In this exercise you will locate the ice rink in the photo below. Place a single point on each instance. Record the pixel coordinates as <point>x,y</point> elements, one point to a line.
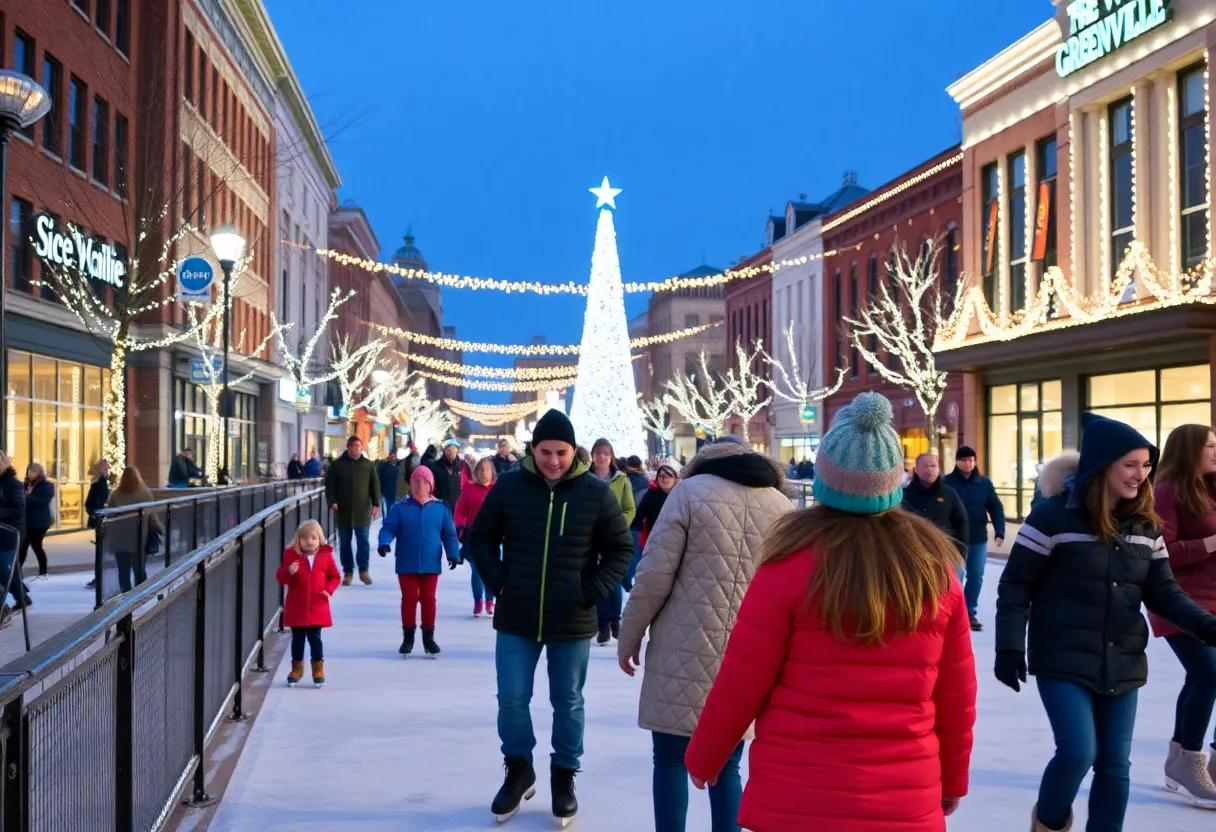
<point>392,744</point>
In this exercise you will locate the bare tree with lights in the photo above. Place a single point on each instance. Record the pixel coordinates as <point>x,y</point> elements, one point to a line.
<point>704,403</point>
<point>902,321</point>
<point>353,368</point>
<point>656,418</point>
<point>746,387</point>
<point>796,384</point>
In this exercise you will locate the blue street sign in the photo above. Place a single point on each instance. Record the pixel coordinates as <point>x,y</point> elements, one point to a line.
<point>198,370</point>
<point>194,278</point>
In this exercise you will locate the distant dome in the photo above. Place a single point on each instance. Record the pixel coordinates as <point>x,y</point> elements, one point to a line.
<point>409,254</point>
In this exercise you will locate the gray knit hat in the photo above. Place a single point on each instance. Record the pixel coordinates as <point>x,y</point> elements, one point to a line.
<point>860,467</point>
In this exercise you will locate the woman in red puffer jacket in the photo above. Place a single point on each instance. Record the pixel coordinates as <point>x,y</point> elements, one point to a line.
<point>1185,499</point>
<point>472,495</point>
<point>852,655</point>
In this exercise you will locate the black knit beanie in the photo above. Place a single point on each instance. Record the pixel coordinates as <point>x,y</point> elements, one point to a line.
<point>554,425</point>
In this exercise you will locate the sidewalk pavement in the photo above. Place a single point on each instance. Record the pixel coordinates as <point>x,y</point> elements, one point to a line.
<point>69,552</point>
<point>58,602</point>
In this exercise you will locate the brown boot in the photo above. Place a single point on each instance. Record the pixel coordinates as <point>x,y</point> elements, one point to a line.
<point>1035,826</point>
<point>297,673</point>
<point>365,576</point>
<point>347,579</point>
<point>318,672</point>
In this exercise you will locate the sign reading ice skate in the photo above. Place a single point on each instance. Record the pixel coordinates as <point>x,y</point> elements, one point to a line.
<point>1096,28</point>
<point>73,250</point>
<point>194,277</point>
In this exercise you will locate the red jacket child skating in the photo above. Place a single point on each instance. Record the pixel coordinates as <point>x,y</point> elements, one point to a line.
<point>849,738</point>
<point>471,498</point>
<point>305,606</point>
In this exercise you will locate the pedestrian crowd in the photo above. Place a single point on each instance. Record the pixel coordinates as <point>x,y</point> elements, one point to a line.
<point>836,639</point>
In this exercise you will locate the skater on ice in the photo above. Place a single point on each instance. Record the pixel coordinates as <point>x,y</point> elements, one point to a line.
<point>604,465</point>
<point>699,559</point>
<point>425,532</point>
<point>565,546</point>
<point>311,577</point>
<point>1081,565</point>
<point>851,655</point>
<point>649,506</point>
<point>467,506</point>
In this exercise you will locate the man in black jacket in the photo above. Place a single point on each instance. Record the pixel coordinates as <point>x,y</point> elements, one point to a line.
<point>937,502</point>
<point>95,501</point>
<point>448,470</point>
<point>504,460</point>
<point>565,546</point>
<point>979,498</point>
<point>295,468</point>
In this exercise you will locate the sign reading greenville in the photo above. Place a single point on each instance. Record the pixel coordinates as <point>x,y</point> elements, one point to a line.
<point>1100,27</point>
<point>73,250</point>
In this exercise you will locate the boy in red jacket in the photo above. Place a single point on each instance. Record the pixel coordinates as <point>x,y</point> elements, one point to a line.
<point>311,577</point>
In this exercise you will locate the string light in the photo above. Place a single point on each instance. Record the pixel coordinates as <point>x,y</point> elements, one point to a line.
<point>1105,242</point>
<point>885,195</point>
<point>492,414</point>
<point>456,281</point>
<point>498,386</point>
<point>514,373</point>
<point>1171,117</point>
<point>529,349</point>
<point>1163,291</point>
<point>1002,225</point>
<point>1072,191</point>
<point>1207,139</point>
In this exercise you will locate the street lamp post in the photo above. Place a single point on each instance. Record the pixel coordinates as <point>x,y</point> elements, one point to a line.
<point>22,102</point>
<point>228,245</point>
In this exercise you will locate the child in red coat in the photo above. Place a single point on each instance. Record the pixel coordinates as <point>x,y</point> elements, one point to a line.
<point>311,577</point>
<point>472,495</point>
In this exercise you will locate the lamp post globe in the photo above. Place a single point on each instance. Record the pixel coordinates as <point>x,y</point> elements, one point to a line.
<point>22,102</point>
<point>228,245</point>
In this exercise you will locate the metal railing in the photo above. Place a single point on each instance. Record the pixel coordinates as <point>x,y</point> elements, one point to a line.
<point>128,552</point>
<point>105,725</point>
<point>801,493</point>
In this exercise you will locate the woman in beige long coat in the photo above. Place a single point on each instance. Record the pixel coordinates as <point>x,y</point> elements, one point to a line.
<point>690,583</point>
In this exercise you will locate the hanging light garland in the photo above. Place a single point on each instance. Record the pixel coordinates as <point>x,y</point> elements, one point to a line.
<point>499,386</point>
<point>1055,291</point>
<point>456,281</point>
<point>530,349</point>
<point>558,371</point>
<point>509,412</point>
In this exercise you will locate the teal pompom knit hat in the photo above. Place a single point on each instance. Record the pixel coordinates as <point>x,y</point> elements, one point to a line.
<point>860,466</point>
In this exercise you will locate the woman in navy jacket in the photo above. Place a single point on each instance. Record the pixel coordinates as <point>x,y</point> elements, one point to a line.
<point>425,531</point>
<point>39,493</point>
<point>1083,562</point>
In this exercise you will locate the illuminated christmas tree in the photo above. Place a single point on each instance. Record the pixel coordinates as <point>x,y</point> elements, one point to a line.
<point>605,398</point>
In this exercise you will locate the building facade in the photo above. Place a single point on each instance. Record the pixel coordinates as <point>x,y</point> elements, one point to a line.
<point>920,208</point>
<point>1087,229</point>
<point>748,324</point>
<point>796,241</point>
<point>674,310</point>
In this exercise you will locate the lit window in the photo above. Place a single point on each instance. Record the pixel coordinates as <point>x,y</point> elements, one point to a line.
<point>1194,158</point>
<point>1122,219</point>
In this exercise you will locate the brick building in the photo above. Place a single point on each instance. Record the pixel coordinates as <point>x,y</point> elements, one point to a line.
<point>919,207</point>
<point>748,323</point>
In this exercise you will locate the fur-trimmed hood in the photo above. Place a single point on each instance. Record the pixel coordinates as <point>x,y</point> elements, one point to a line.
<point>1056,475</point>
<point>737,462</point>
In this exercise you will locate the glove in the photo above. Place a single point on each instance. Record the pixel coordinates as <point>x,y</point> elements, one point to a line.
<point>1010,668</point>
<point>452,564</point>
<point>383,550</point>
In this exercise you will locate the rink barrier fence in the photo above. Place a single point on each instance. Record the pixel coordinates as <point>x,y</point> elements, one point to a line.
<point>106,725</point>
<point>121,559</point>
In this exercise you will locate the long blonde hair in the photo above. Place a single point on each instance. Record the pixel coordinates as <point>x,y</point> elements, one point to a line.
<point>874,573</point>
<point>307,526</point>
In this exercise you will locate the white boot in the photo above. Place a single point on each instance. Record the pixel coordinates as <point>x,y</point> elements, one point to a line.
<point>1188,776</point>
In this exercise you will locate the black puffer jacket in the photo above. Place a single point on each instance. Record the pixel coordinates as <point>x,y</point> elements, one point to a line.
<point>940,505</point>
<point>12,508</point>
<point>563,549</point>
<point>448,483</point>
<point>1081,595</point>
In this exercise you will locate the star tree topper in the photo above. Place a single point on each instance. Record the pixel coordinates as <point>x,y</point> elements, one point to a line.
<point>606,194</point>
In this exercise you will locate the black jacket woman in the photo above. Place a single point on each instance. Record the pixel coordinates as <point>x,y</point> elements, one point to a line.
<point>12,515</point>
<point>1082,563</point>
<point>39,497</point>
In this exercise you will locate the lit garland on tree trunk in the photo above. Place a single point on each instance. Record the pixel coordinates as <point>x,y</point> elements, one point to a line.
<point>705,405</point>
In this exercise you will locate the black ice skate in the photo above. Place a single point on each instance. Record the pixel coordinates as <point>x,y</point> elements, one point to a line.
<point>428,642</point>
<point>407,641</point>
<point>519,784</point>
<point>561,786</point>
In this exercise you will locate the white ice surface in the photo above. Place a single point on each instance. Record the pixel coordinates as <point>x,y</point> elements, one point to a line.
<point>392,744</point>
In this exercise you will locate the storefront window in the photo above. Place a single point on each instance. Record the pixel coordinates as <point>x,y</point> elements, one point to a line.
<point>54,420</point>
<point>1024,428</point>
<point>1154,402</point>
<point>190,428</point>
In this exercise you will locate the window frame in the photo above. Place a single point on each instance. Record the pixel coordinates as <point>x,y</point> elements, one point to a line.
<point>52,123</point>
<point>101,17</point>
<point>1114,153</point>
<point>122,27</point>
<point>29,60</point>
<point>854,356</point>
<point>1186,123</point>
<point>1019,263</point>
<point>101,141</point>
<point>990,195</point>
<point>78,128</point>
<point>122,154</point>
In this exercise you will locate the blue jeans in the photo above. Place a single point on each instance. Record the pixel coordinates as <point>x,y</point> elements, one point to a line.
<point>515,661</point>
<point>1091,731</point>
<point>627,582</point>
<point>1194,710</point>
<point>609,609</point>
<point>670,787</point>
<point>364,548</point>
<point>480,593</point>
<point>972,575</point>
<point>18,589</point>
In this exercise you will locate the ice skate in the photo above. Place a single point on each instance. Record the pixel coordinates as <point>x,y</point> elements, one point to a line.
<point>407,641</point>
<point>428,642</point>
<point>1175,747</point>
<point>1186,775</point>
<point>615,630</point>
<point>603,636</point>
<point>477,607</point>
<point>561,786</point>
<point>297,673</point>
<point>519,785</point>
<point>318,672</point>
<point>1035,826</point>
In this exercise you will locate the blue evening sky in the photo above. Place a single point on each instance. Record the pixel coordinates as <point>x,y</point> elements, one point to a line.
<point>484,122</point>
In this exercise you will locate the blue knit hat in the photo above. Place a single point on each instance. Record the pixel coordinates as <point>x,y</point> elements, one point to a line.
<point>860,466</point>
